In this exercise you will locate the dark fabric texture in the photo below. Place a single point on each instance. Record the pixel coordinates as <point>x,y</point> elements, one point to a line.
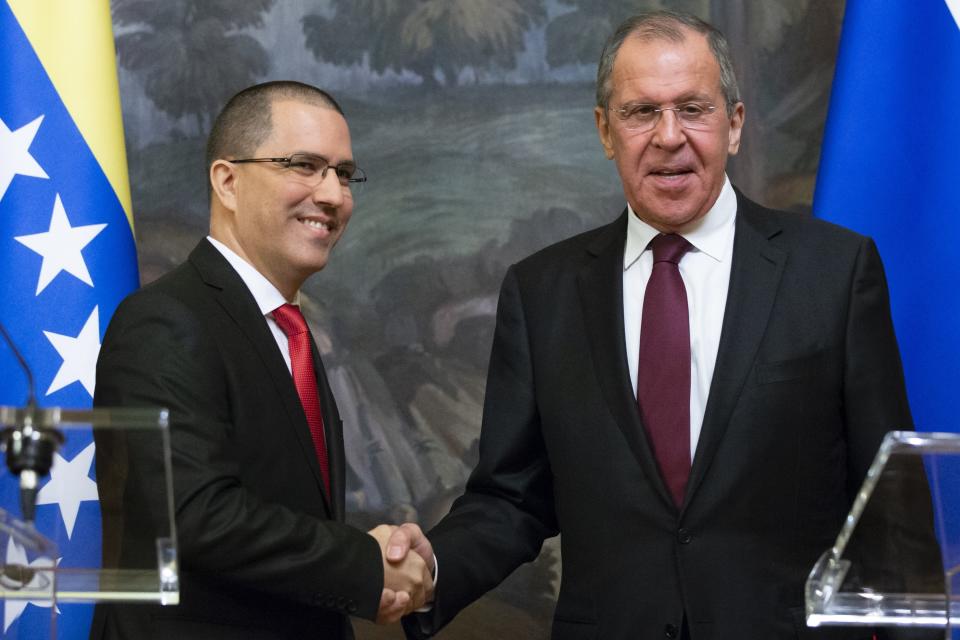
<point>807,382</point>
<point>262,552</point>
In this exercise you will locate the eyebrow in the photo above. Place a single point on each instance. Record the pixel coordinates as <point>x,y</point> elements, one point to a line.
<point>694,97</point>
<point>683,98</point>
<point>320,155</point>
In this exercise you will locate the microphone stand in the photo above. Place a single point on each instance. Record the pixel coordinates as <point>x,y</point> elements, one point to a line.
<point>29,447</point>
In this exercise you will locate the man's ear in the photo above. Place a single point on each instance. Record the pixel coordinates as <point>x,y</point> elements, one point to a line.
<point>223,183</point>
<point>603,129</point>
<point>736,128</point>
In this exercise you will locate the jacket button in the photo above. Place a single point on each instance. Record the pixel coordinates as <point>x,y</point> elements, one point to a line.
<point>671,631</point>
<point>341,602</point>
<point>684,536</point>
<point>351,607</point>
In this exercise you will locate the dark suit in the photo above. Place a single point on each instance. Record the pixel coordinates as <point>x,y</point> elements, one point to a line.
<point>807,382</point>
<point>263,552</point>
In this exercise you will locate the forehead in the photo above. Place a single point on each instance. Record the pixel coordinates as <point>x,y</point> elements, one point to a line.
<point>300,126</point>
<point>661,70</point>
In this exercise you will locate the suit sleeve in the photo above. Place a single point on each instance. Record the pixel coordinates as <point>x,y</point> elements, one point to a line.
<point>507,509</point>
<point>875,395</point>
<point>155,354</point>
<point>895,548</point>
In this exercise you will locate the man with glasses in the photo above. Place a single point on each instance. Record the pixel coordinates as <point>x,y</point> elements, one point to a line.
<point>257,443</point>
<point>690,395</point>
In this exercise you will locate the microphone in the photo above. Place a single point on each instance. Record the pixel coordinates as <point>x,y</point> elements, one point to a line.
<point>29,448</point>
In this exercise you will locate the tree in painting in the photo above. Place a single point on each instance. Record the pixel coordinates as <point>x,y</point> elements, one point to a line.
<point>427,37</point>
<point>577,36</point>
<point>189,54</point>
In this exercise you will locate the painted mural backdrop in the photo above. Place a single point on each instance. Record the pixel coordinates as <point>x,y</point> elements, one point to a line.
<point>473,119</point>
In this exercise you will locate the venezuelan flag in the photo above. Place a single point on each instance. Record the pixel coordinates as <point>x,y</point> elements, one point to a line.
<point>66,230</point>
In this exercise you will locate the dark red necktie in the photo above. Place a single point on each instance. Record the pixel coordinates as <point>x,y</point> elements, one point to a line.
<point>292,323</point>
<point>663,373</point>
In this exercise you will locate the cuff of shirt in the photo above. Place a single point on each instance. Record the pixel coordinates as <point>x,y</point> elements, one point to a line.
<point>427,608</point>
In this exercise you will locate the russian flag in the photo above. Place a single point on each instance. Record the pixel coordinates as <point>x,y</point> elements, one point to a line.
<point>890,169</point>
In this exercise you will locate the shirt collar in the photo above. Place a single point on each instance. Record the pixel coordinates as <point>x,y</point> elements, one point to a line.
<point>267,296</point>
<point>709,235</point>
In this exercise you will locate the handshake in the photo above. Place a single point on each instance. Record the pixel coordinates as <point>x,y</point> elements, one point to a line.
<point>407,577</point>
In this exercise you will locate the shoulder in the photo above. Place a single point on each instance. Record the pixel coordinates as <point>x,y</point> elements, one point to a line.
<point>190,288</point>
<point>571,253</point>
<point>170,294</point>
<point>172,310</point>
<point>796,231</point>
<point>159,333</point>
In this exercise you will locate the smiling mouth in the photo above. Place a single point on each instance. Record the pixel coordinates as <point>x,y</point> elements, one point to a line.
<point>313,223</point>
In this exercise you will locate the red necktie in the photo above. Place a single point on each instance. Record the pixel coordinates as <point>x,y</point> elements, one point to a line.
<point>292,323</point>
<point>663,374</point>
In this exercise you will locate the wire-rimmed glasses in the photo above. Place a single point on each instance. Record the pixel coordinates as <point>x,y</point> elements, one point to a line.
<point>312,169</point>
<point>641,116</point>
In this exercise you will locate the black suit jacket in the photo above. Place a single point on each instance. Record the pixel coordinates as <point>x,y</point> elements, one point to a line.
<point>807,382</point>
<point>263,552</point>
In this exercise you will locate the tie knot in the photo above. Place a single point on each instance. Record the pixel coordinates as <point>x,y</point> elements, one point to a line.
<point>669,248</point>
<point>290,320</point>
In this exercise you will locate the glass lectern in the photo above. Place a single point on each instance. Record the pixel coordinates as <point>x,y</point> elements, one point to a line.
<point>138,560</point>
<point>896,559</point>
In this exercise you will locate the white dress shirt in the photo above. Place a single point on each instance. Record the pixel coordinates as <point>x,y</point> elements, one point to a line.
<point>705,271</point>
<point>267,296</point>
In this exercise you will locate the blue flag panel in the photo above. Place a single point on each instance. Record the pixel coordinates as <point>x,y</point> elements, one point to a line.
<point>889,169</point>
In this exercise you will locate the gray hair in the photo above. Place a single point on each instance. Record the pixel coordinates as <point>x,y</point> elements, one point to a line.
<point>667,25</point>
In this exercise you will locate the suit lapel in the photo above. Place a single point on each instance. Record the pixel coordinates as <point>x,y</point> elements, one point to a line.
<point>237,301</point>
<point>601,294</point>
<point>754,279</point>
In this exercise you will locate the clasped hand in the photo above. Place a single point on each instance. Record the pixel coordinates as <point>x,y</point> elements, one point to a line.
<point>407,577</point>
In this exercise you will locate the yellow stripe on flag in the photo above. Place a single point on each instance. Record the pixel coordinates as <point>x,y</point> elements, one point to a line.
<point>74,41</point>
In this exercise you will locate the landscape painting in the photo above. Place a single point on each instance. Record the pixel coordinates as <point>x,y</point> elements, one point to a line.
<point>474,121</point>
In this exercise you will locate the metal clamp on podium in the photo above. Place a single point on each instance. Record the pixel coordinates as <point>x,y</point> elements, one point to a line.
<point>895,562</point>
<point>138,542</point>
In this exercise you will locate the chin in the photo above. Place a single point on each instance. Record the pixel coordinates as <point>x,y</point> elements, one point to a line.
<point>669,219</point>
<point>309,267</point>
<point>318,265</point>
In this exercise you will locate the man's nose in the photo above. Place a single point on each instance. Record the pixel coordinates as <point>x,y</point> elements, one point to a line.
<point>329,190</point>
<point>668,133</point>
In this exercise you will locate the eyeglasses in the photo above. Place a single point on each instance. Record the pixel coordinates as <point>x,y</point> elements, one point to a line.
<point>311,169</point>
<point>640,117</point>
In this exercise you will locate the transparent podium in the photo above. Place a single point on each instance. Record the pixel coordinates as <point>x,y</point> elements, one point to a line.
<point>895,562</point>
<point>129,553</point>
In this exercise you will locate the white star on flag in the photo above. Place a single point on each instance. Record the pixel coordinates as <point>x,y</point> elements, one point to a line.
<point>61,247</point>
<point>79,355</point>
<point>15,158</point>
<point>16,555</point>
<point>69,485</point>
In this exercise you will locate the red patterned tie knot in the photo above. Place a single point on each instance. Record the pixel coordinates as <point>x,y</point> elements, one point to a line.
<point>290,320</point>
